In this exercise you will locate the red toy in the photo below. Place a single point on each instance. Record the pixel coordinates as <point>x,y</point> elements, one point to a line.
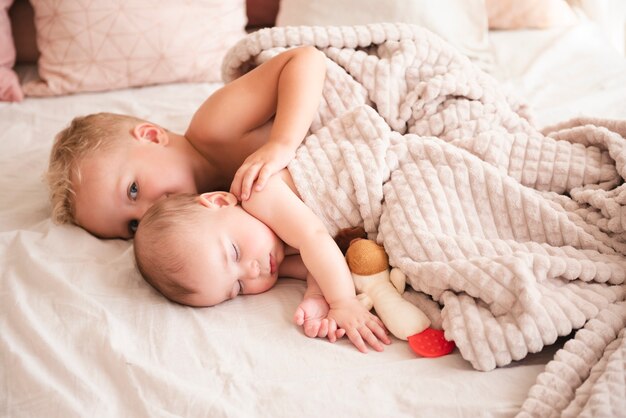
<point>380,287</point>
<point>430,343</point>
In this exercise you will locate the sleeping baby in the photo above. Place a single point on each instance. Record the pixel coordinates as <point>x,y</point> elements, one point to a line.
<point>207,249</point>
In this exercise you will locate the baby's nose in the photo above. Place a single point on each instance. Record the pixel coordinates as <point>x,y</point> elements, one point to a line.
<point>252,270</point>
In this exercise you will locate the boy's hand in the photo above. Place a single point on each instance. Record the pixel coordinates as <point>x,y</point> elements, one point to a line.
<point>360,325</point>
<point>259,167</point>
<point>311,316</point>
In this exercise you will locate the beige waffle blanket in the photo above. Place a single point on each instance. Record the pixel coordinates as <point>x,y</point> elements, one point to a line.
<point>517,233</point>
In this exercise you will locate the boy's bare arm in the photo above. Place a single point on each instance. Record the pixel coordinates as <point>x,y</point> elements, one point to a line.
<point>281,209</point>
<point>288,87</point>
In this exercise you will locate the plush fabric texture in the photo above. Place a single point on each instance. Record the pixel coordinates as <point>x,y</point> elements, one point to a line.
<point>131,43</point>
<point>10,90</point>
<point>598,353</point>
<point>518,233</point>
<point>463,23</point>
<point>520,14</point>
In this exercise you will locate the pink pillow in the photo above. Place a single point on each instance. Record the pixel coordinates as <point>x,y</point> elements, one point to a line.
<point>10,90</point>
<point>131,43</point>
<point>520,14</point>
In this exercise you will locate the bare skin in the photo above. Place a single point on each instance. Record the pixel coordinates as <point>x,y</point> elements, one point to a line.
<point>247,246</point>
<point>242,134</point>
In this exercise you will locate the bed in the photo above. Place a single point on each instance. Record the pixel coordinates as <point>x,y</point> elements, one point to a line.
<point>84,335</point>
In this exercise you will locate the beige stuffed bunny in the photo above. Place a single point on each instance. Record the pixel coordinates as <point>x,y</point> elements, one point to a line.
<point>381,288</point>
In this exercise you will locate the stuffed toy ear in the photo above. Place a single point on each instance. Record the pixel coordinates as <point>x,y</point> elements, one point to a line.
<point>347,235</point>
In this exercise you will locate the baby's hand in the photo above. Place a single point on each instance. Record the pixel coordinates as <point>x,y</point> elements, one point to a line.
<point>360,325</point>
<point>311,316</point>
<point>259,167</point>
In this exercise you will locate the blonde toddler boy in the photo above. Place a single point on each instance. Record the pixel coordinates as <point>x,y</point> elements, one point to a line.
<point>106,170</point>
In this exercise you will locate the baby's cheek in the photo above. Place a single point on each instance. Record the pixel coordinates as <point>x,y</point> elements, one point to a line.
<point>265,285</point>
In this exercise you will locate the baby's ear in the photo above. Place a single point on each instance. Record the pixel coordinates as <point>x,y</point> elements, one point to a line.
<point>217,199</point>
<point>150,132</point>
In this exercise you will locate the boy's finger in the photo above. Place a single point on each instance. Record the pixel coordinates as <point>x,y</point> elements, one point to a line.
<point>248,179</point>
<point>264,175</point>
<point>235,186</point>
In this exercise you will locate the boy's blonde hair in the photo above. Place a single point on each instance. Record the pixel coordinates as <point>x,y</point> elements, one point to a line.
<point>84,136</point>
<point>164,240</point>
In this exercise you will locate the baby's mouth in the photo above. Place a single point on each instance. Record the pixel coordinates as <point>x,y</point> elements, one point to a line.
<point>272,264</point>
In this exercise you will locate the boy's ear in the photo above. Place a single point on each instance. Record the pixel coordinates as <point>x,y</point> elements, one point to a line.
<point>150,132</point>
<point>216,200</point>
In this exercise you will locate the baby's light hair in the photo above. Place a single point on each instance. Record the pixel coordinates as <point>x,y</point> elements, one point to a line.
<point>164,240</point>
<point>84,136</point>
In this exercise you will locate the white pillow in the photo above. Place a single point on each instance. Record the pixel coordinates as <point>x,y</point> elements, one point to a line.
<point>610,16</point>
<point>463,23</point>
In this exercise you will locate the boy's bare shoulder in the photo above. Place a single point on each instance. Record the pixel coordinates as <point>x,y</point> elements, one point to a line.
<point>248,102</point>
<point>200,126</point>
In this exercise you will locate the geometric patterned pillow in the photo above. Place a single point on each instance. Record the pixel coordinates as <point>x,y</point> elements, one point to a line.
<point>104,45</point>
<point>10,90</point>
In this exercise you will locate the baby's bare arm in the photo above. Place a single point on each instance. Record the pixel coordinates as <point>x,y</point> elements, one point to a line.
<point>281,209</point>
<point>311,314</point>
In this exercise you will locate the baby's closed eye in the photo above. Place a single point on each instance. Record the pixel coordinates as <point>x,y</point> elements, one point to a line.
<point>235,252</point>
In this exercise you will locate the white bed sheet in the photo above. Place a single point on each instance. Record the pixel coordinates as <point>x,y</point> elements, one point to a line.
<point>83,335</point>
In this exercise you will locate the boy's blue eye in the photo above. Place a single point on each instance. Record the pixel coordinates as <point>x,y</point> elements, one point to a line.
<point>132,226</point>
<point>133,190</point>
